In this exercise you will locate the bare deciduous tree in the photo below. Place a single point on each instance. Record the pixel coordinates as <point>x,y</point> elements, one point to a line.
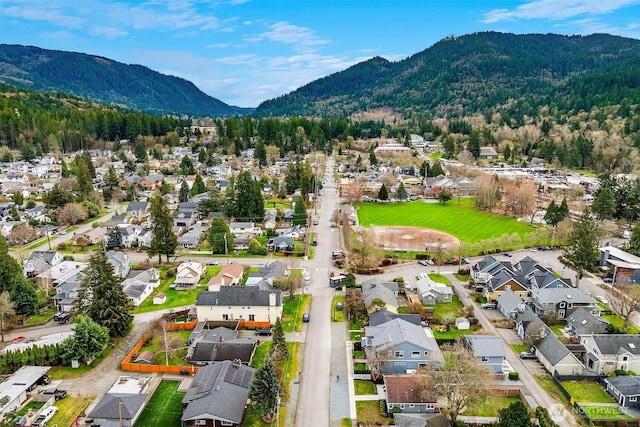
<point>626,300</point>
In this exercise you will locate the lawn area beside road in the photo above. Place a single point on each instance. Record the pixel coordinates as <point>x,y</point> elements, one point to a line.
<point>465,222</point>
<point>69,409</point>
<point>292,312</point>
<point>164,407</point>
<point>488,406</point>
<point>617,322</point>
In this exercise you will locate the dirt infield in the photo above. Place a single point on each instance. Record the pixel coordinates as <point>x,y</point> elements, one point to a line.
<point>413,239</point>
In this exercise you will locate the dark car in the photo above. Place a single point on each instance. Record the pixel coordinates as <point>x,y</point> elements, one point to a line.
<point>489,306</point>
<point>44,380</point>
<point>305,317</point>
<point>339,306</point>
<point>58,394</point>
<point>507,254</point>
<point>314,242</point>
<point>264,332</point>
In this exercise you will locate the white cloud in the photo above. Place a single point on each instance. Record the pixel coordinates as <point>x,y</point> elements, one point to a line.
<point>301,38</point>
<point>108,32</point>
<point>43,12</point>
<point>556,10</point>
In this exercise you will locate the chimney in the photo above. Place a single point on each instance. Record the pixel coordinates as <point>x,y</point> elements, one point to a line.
<point>221,338</point>
<point>272,300</point>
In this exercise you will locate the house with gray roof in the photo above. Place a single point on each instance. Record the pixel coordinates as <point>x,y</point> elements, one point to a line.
<point>606,353</point>
<point>120,263</point>
<point>280,243</point>
<point>218,344</point>
<point>529,327</point>
<point>582,321</point>
<point>267,274</point>
<point>379,317</point>
<point>137,209</point>
<point>378,289</point>
<point>398,346</point>
<point>487,349</point>
<point>503,281</point>
<point>246,304</point>
<point>431,292</point>
<point>510,304</point>
<point>556,357</point>
<point>625,389</point>
<point>547,280</point>
<point>559,303</point>
<point>420,420</point>
<point>218,395</point>
<point>487,267</point>
<point>40,261</point>
<point>118,409</point>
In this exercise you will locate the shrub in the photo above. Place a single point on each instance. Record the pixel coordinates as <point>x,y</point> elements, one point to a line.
<point>68,257</point>
<point>170,273</point>
<point>514,375</point>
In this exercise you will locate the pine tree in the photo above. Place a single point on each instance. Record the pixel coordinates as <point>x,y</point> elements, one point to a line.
<point>582,246</point>
<point>604,204</point>
<point>101,296</point>
<point>279,350</point>
<point>140,152</point>
<point>265,388</point>
<point>83,175</point>
<point>218,234</point>
<point>88,340</point>
<point>436,170</point>
<point>198,186</point>
<point>87,160</point>
<point>401,192</point>
<point>300,212</point>
<point>9,267</point>
<point>515,415</point>
<point>634,241</point>
<point>260,152</point>
<point>24,297</point>
<point>163,241</point>
<point>383,194</point>
<point>552,216</point>
<point>114,238</point>
<point>373,160</point>
<point>64,169</point>
<point>6,311</point>
<point>183,195</point>
<point>186,166</point>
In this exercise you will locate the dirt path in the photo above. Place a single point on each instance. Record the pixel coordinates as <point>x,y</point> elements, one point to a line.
<point>413,239</point>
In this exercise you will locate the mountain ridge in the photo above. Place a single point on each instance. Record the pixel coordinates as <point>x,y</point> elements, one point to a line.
<point>105,80</point>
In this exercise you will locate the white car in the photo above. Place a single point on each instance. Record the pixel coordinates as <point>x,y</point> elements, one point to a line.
<point>44,417</point>
<point>306,276</point>
<point>602,299</point>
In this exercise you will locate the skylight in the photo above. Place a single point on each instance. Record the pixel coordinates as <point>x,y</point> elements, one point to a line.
<point>632,345</point>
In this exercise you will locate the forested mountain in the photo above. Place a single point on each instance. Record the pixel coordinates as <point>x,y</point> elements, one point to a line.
<point>483,72</point>
<point>104,80</point>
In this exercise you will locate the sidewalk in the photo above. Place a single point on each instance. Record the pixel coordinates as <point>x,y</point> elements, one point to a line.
<point>342,393</point>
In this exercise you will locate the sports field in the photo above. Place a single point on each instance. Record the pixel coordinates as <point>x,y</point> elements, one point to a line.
<point>465,222</point>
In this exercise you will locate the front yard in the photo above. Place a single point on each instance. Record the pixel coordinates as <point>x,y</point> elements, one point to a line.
<point>587,391</point>
<point>175,298</point>
<point>488,406</point>
<point>293,310</point>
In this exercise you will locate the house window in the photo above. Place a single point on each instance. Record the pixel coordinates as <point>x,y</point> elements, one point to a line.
<point>415,354</point>
<point>633,398</point>
<point>398,354</point>
<point>252,318</point>
<point>412,405</point>
<point>484,359</point>
<point>562,304</point>
<point>507,287</point>
<point>225,317</point>
<point>402,406</point>
<point>201,422</point>
<point>624,358</point>
<point>226,423</point>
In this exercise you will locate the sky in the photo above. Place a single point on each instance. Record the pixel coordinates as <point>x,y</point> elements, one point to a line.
<point>243,52</point>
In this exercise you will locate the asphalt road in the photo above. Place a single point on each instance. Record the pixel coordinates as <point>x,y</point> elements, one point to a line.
<point>313,398</point>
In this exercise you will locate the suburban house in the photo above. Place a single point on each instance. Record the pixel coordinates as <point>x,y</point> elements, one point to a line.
<point>218,395</point>
<point>398,346</point>
<point>625,389</point>
<point>623,265</point>
<point>544,279</point>
<point>559,303</point>
<point>185,215</point>
<point>151,182</point>
<point>487,267</point>
<point>375,290</point>
<point>488,153</point>
<point>265,276</point>
<point>582,321</point>
<point>379,317</point>
<point>280,243</point>
<point>193,237</point>
<point>607,353</point>
<point>238,228</point>
<point>120,263</point>
<point>130,234</point>
<point>123,403</point>
<point>40,261</point>
<point>59,273</point>
<point>137,210</point>
<point>431,292</point>
<point>94,236</point>
<point>502,282</point>
<point>229,274</point>
<point>488,350</point>
<point>188,275</point>
<point>139,284</point>
<point>529,327</point>
<point>556,357</point>
<point>240,303</point>
<point>410,393</point>
<point>404,419</point>
<point>217,344</point>
<point>510,304</point>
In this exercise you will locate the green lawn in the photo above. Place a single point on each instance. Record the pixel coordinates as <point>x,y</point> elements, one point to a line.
<point>557,329</point>
<point>41,317</point>
<point>488,406</point>
<point>368,413</point>
<point>439,278</point>
<point>31,405</point>
<point>293,310</point>
<point>37,244</point>
<point>164,407</point>
<point>364,387</point>
<point>174,298</point>
<point>617,322</point>
<point>451,334</point>
<point>261,352</point>
<point>587,391</point>
<point>465,222</point>
<point>443,308</point>
<point>519,348</point>
<point>337,315</point>
<point>69,409</point>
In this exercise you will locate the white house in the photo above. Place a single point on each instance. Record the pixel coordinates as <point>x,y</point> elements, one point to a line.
<point>243,303</point>
<point>188,274</point>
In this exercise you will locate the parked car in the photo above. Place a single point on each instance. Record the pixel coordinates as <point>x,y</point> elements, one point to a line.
<point>58,394</point>
<point>314,242</point>
<point>44,380</point>
<point>42,419</point>
<point>339,306</point>
<point>466,260</point>
<point>212,262</point>
<point>489,306</point>
<point>507,254</point>
<point>527,355</point>
<point>264,332</point>
<point>305,317</point>
<point>306,276</point>
<point>425,262</point>
<point>602,299</point>
<point>607,280</point>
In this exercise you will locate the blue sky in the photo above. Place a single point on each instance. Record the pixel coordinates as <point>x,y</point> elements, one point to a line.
<point>246,51</point>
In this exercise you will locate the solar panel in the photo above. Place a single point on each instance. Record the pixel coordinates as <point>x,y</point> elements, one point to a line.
<point>238,376</point>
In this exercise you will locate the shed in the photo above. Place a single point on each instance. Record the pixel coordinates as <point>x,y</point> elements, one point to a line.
<point>462,323</point>
<point>160,298</point>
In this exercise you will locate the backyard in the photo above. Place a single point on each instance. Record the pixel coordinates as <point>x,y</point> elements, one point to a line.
<point>587,391</point>
<point>174,298</point>
<point>368,413</point>
<point>177,340</point>
<point>488,406</point>
<point>164,407</point>
<point>69,409</point>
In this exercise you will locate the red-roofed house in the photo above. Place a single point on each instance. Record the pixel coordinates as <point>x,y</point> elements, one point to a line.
<point>230,274</point>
